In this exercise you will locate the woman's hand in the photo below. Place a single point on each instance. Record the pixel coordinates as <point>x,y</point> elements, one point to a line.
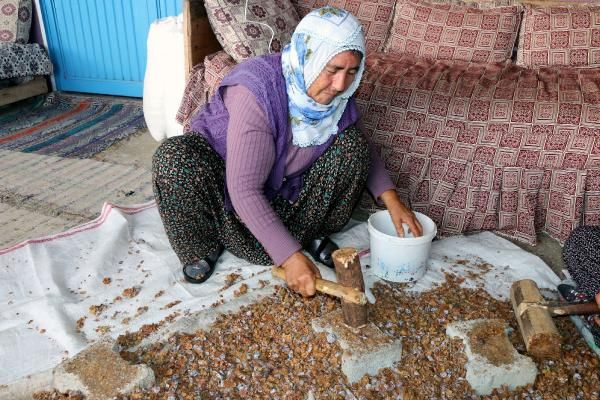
<point>301,274</point>
<point>400,213</point>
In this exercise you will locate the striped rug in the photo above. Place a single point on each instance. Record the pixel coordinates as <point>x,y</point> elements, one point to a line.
<point>68,125</point>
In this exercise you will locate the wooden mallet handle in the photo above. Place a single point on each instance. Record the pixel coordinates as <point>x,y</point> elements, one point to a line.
<point>571,309</point>
<point>560,309</point>
<point>331,288</point>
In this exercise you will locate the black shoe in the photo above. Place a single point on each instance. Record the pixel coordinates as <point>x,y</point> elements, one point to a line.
<point>572,295</point>
<point>321,250</point>
<point>201,270</point>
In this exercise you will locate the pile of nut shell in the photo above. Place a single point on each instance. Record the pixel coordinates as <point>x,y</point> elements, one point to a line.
<point>268,350</point>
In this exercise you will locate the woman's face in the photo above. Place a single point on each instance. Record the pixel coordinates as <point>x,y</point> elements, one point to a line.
<point>336,77</point>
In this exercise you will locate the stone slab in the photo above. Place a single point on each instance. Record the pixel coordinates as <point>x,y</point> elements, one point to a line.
<point>492,360</point>
<point>100,373</point>
<point>366,350</point>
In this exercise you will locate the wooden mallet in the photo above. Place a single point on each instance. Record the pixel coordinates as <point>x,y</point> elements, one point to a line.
<point>331,288</point>
<point>350,289</point>
<point>534,316</point>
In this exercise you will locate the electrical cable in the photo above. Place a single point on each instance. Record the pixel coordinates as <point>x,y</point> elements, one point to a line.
<point>260,23</point>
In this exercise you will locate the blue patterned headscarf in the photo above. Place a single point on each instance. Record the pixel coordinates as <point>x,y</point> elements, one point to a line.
<point>320,36</point>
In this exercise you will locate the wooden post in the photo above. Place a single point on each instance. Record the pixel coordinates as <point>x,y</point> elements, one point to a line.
<point>24,90</point>
<point>199,39</point>
<point>349,273</point>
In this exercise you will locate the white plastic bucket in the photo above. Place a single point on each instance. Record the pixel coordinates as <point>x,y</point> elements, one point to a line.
<point>395,258</point>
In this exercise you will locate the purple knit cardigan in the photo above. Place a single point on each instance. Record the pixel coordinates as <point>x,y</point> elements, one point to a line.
<point>263,76</point>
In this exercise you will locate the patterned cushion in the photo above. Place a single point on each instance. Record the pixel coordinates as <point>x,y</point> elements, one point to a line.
<point>560,36</point>
<point>21,60</point>
<point>242,39</point>
<point>15,21</point>
<point>454,32</point>
<point>375,16</point>
<point>203,81</point>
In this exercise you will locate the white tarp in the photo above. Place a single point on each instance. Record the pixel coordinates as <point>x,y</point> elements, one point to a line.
<point>48,284</point>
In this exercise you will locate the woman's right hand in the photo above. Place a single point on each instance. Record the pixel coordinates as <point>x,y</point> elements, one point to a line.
<point>301,274</point>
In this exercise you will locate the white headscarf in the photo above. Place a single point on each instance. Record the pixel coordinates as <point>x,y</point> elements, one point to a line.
<point>320,36</point>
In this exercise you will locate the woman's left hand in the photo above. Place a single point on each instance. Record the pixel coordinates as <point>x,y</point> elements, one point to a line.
<point>401,214</point>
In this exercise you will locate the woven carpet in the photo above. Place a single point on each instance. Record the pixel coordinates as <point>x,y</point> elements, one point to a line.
<point>68,125</point>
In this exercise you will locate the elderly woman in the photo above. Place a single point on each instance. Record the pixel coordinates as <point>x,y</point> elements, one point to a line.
<point>276,162</point>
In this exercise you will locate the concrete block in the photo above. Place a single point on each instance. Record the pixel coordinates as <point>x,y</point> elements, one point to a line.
<point>492,359</point>
<point>365,350</point>
<point>100,373</point>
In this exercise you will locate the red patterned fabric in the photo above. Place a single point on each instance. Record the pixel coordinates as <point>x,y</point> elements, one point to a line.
<point>454,32</point>
<point>201,85</point>
<point>217,66</point>
<point>194,96</point>
<point>560,36</point>
<point>488,146</point>
<point>374,15</point>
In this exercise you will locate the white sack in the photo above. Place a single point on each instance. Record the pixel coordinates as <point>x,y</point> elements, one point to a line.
<point>164,80</point>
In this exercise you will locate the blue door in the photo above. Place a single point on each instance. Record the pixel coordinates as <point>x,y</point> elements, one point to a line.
<point>99,46</point>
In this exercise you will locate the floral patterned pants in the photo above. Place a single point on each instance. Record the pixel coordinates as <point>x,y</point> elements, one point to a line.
<point>581,254</point>
<point>189,178</point>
